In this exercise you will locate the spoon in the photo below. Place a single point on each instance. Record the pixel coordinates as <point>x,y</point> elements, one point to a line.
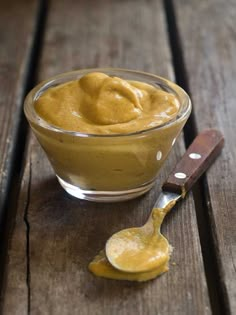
<point>142,249</point>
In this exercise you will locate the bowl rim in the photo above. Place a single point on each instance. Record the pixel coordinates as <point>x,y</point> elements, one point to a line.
<point>34,93</point>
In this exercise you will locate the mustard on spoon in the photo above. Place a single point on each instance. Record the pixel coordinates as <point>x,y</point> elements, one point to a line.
<point>144,248</point>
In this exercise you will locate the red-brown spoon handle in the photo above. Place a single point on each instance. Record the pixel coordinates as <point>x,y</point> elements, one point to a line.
<point>196,160</point>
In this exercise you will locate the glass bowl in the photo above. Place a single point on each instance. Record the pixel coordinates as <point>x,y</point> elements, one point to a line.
<point>107,168</point>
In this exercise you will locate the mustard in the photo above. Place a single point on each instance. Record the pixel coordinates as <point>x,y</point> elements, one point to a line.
<point>100,104</point>
<point>153,244</point>
<point>103,105</point>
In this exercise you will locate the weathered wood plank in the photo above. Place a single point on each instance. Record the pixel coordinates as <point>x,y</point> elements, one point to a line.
<point>17,29</point>
<point>65,233</point>
<point>207,31</point>
<point>16,280</point>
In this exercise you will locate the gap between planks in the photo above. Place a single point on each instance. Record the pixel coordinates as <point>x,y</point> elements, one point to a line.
<point>27,224</point>
<point>218,298</point>
<point>16,161</point>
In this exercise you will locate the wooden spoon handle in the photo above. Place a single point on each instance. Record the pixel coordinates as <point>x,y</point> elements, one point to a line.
<point>196,160</point>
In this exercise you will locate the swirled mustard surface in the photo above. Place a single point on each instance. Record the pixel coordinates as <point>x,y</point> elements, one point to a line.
<point>100,104</point>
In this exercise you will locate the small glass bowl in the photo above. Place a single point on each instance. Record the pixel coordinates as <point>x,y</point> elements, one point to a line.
<point>107,168</point>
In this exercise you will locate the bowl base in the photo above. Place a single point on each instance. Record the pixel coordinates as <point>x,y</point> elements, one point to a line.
<point>105,196</point>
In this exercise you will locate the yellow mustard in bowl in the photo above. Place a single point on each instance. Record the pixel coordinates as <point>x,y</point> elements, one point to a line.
<point>107,132</point>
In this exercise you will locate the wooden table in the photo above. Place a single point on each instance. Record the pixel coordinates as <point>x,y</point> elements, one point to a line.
<point>47,237</point>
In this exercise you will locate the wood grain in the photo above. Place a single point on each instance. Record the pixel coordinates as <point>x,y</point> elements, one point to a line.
<point>64,234</point>
<point>17,28</point>
<point>15,302</point>
<point>207,31</point>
